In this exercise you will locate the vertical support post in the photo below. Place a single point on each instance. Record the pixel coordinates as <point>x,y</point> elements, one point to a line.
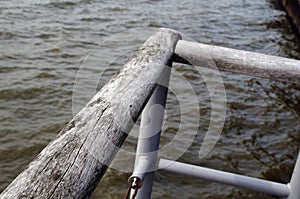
<point>294,185</point>
<point>149,137</point>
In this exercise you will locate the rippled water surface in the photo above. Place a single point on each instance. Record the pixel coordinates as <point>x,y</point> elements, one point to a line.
<point>55,55</point>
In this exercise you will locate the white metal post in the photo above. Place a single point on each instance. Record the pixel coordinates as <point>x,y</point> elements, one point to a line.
<point>149,137</point>
<point>294,185</point>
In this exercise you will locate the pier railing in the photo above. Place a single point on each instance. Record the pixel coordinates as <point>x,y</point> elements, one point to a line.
<point>72,164</point>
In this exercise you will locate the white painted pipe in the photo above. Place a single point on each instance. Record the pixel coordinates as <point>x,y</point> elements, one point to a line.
<point>149,137</point>
<point>255,184</point>
<point>294,185</point>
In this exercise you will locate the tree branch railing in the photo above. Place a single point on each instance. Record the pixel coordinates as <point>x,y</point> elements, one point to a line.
<point>238,61</point>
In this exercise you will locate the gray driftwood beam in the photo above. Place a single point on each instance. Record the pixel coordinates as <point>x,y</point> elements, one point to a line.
<point>238,61</point>
<point>72,165</point>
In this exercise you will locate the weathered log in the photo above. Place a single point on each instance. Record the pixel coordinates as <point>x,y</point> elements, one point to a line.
<point>72,165</point>
<point>238,61</point>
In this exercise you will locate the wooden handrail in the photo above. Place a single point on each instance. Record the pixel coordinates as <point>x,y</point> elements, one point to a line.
<point>72,165</point>
<point>238,61</point>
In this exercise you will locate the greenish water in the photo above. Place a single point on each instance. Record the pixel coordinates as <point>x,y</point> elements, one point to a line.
<point>45,77</point>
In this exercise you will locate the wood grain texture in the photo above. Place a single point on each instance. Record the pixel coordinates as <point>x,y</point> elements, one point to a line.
<point>238,61</point>
<point>72,164</point>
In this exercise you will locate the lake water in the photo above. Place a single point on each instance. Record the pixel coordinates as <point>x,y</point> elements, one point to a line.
<point>55,55</point>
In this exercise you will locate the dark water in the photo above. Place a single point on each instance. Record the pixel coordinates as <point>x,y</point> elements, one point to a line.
<point>46,76</point>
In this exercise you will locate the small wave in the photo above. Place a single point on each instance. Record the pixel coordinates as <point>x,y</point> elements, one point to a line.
<point>12,94</point>
<point>154,25</point>
<point>45,36</point>
<point>12,153</point>
<point>97,19</point>
<point>67,55</point>
<point>117,9</point>
<point>6,35</point>
<point>8,69</point>
<point>61,55</point>
<point>62,5</point>
<point>53,50</point>
<point>45,75</point>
